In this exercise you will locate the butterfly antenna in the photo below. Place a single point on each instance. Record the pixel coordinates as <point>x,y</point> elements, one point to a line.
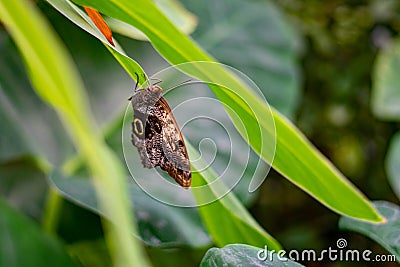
<point>136,86</point>
<point>157,81</point>
<point>137,80</point>
<point>177,85</point>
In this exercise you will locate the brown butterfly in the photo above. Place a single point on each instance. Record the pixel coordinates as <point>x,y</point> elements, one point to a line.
<point>157,136</point>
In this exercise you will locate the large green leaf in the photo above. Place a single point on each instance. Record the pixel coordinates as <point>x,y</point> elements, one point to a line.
<point>160,225</point>
<point>267,45</point>
<point>387,234</point>
<point>295,157</point>
<point>392,164</point>
<point>23,243</point>
<point>385,98</point>
<point>244,255</point>
<point>81,19</point>
<point>226,219</point>
<point>56,81</point>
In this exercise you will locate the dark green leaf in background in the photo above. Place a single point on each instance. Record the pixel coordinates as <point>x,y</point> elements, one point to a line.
<point>385,98</point>
<point>387,234</point>
<point>393,164</point>
<point>28,126</point>
<point>236,255</point>
<point>253,37</point>
<point>23,185</point>
<point>23,243</point>
<point>160,225</point>
<point>91,253</point>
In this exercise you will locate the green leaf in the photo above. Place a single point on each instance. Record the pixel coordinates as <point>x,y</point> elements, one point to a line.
<point>81,19</point>
<point>108,87</point>
<point>91,253</point>
<point>392,164</point>
<point>267,45</point>
<point>182,19</point>
<point>385,98</point>
<point>23,185</point>
<point>56,81</point>
<point>243,255</point>
<point>23,243</point>
<point>28,126</point>
<point>386,234</point>
<point>295,157</point>
<point>160,225</point>
<point>226,219</point>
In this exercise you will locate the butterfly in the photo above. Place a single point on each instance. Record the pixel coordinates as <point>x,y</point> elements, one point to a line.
<point>157,136</point>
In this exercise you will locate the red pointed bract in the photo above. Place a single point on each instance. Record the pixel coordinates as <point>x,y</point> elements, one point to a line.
<point>100,23</point>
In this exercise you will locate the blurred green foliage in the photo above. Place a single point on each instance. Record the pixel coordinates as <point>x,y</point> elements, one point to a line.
<point>342,40</point>
<point>339,42</point>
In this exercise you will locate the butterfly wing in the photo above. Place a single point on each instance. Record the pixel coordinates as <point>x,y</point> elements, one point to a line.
<point>176,159</point>
<point>157,136</point>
